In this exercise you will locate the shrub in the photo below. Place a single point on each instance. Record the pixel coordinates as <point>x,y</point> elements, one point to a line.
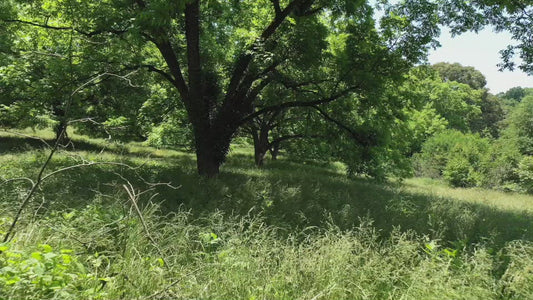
<point>525,173</point>
<point>433,158</point>
<point>41,273</point>
<point>459,172</point>
<point>500,164</point>
<point>521,125</point>
<point>455,156</point>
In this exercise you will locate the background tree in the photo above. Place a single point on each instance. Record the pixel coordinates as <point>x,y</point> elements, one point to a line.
<point>521,125</point>
<point>456,72</point>
<point>51,68</point>
<point>491,108</point>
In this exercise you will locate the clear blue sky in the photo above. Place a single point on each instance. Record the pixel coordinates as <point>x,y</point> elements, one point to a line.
<point>481,51</point>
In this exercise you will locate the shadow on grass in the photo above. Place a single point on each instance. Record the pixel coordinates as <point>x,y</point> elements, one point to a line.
<point>288,195</point>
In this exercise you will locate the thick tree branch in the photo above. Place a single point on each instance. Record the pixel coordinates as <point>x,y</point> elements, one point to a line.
<point>241,67</point>
<point>254,92</point>
<point>297,104</point>
<point>152,68</point>
<point>167,51</point>
<point>277,7</point>
<point>355,135</point>
<point>294,136</point>
<point>46,26</point>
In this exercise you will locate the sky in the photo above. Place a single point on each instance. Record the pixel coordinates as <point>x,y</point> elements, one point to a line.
<point>481,51</point>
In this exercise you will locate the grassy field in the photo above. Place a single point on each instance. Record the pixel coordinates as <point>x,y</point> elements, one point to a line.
<point>286,231</point>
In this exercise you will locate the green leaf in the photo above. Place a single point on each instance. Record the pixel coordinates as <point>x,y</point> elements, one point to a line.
<point>4,247</point>
<point>46,248</point>
<point>37,255</point>
<point>161,262</point>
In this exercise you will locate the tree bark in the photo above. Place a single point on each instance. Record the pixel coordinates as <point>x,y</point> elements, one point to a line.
<point>61,128</point>
<point>210,154</point>
<point>261,145</point>
<point>212,141</point>
<point>274,150</point>
<point>61,132</point>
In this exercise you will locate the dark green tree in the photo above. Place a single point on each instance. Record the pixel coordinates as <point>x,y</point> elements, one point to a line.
<point>220,55</point>
<point>457,72</point>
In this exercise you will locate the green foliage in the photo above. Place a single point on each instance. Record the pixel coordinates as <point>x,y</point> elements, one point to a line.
<point>511,16</point>
<point>521,125</point>
<point>515,94</point>
<point>452,104</point>
<point>458,157</point>
<point>456,72</point>
<point>40,272</point>
<point>174,131</point>
<point>499,166</point>
<point>525,173</point>
<point>467,160</point>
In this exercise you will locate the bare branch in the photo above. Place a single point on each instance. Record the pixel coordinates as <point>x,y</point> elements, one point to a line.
<point>87,165</point>
<point>34,187</point>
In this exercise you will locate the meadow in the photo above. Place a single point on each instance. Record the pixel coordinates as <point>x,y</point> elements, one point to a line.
<point>136,222</point>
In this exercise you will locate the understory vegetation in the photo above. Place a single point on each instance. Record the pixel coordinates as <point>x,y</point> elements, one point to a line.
<point>286,231</point>
<point>466,159</point>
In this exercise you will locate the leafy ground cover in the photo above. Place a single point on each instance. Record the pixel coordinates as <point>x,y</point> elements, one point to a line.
<point>286,231</point>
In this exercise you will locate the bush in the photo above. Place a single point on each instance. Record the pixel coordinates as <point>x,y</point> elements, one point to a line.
<point>455,156</point>
<point>459,173</point>
<point>42,273</point>
<point>525,173</point>
<point>521,125</point>
<point>500,165</point>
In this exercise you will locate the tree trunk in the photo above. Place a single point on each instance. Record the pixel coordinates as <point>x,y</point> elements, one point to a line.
<point>212,145</point>
<point>259,154</point>
<point>61,132</point>
<point>207,163</point>
<point>61,128</point>
<point>261,145</point>
<point>274,150</point>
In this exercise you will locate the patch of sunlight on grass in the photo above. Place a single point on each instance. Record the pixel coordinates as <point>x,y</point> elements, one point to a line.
<point>45,133</point>
<point>499,199</point>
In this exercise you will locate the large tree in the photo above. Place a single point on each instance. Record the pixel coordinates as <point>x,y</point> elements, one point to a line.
<point>220,55</point>
<point>491,108</point>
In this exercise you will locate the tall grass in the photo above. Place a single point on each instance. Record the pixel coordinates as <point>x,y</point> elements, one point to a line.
<point>287,231</point>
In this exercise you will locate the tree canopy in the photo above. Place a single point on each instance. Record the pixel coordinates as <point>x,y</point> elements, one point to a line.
<point>220,58</point>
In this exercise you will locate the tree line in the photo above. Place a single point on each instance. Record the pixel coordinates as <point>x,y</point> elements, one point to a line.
<point>317,78</point>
